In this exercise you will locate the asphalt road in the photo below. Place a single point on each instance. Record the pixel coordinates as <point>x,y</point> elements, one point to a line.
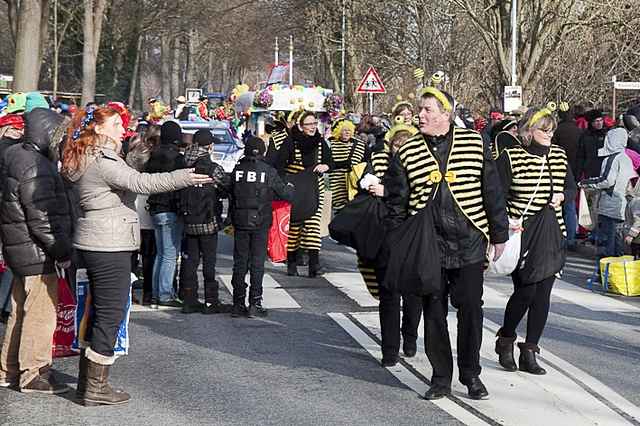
<point>318,364</point>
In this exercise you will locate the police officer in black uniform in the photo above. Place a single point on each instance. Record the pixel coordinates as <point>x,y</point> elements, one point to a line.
<point>254,186</point>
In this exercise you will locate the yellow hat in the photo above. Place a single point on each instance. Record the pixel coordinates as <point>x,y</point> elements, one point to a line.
<point>400,128</point>
<point>548,110</point>
<point>439,96</point>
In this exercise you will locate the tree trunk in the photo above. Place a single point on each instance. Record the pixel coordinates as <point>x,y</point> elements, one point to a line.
<point>92,30</point>
<point>27,65</point>
<point>175,68</point>
<point>135,73</point>
<point>210,72</point>
<point>165,68</point>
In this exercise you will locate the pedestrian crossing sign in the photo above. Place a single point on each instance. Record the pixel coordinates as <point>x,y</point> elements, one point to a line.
<point>371,83</point>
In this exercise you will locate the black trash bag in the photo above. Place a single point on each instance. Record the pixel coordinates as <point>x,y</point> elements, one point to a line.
<point>413,266</point>
<point>360,225</point>
<point>306,196</point>
<point>543,251</point>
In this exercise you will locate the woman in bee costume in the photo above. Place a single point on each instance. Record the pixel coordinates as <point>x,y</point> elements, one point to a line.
<point>536,180</point>
<point>374,272</point>
<point>305,152</point>
<point>346,151</point>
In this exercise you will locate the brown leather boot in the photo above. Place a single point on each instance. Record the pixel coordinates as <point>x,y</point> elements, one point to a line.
<point>97,390</point>
<point>504,349</point>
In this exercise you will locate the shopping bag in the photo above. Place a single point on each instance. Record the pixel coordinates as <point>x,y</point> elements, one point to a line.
<point>414,257</point>
<point>584,216</point>
<point>353,177</point>
<point>359,225</point>
<point>65,326</point>
<point>279,231</point>
<point>306,196</point>
<point>621,275</point>
<point>84,318</point>
<point>543,251</point>
<point>508,262</point>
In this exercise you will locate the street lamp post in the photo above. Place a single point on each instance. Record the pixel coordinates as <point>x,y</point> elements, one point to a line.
<point>514,40</point>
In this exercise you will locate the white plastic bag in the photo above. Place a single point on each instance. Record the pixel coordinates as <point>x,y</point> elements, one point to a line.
<point>508,262</point>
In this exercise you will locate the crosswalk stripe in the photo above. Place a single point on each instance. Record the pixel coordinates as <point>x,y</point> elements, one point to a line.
<point>590,300</point>
<point>403,374</point>
<point>551,399</point>
<point>353,286</point>
<point>273,295</point>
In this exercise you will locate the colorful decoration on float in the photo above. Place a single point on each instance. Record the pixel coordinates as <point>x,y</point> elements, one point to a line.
<point>263,98</point>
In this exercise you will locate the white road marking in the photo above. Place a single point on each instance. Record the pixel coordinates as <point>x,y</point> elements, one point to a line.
<point>403,374</point>
<point>352,284</point>
<point>273,295</point>
<point>550,399</point>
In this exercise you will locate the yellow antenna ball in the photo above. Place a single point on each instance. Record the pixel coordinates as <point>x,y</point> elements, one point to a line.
<point>398,98</point>
<point>564,106</point>
<point>551,106</point>
<point>399,119</point>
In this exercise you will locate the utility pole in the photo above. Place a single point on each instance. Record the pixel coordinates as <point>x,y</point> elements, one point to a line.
<point>277,52</point>
<point>514,40</point>
<point>343,44</point>
<point>291,61</point>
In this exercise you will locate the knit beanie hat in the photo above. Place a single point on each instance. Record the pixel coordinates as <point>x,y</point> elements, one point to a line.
<point>254,147</point>
<point>35,100</point>
<point>170,133</point>
<point>203,137</point>
<point>16,102</point>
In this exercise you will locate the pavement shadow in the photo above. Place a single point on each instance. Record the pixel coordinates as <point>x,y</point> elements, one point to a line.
<point>293,340</point>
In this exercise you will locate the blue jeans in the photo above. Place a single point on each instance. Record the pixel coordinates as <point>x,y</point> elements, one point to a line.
<point>610,234</point>
<point>570,221</point>
<point>168,232</point>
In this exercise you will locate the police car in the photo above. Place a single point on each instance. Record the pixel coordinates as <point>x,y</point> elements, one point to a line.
<point>228,152</point>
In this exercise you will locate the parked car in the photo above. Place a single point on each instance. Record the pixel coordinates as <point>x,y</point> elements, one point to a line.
<point>228,152</point>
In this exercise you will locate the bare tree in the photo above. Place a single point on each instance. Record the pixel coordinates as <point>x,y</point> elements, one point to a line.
<point>92,30</point>
<point>29,37</point>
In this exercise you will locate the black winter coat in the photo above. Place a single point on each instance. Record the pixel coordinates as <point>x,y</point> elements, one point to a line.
<point>165,157</point>
<point>202,205</point>
<point>35,222</point>
<point>588,164</point>
<point>567,135</point>
<point>254,185</point>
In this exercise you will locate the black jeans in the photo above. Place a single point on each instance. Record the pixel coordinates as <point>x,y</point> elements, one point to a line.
<point>390,320</point>
<point>249,253</point>
<point>110,283</point>
<point>194,247</point>
<point>148,254</point>
<point>464,286</point>
<point>534,298</point>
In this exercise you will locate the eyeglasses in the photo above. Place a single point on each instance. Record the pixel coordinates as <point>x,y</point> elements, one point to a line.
<point>313,123</point>
<point>547,131</point>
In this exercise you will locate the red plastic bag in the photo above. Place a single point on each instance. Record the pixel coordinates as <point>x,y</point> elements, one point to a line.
<point>279,231</point>
<point>65,324</point>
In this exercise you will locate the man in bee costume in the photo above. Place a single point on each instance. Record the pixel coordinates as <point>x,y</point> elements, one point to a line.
<point>449,170</point>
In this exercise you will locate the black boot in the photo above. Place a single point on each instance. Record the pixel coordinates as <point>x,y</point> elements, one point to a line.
<point>97,390</point>
<point>191,303</point>
<point>527,359</point>
<point>292,264</point>
<point>314,263</point>
<point>504,349</point>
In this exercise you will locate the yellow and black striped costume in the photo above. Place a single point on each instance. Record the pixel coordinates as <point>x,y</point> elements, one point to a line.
<point>380,164</point>
<point>340,151</point>
<point>463,174</point>
<point>306,235</point>
<point>277,137</point>
<point>525,172</point>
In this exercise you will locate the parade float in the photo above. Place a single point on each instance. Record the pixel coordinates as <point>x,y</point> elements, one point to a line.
<point>257,106</point>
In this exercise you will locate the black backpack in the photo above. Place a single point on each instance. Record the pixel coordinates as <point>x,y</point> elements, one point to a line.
<point>197,204</point>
